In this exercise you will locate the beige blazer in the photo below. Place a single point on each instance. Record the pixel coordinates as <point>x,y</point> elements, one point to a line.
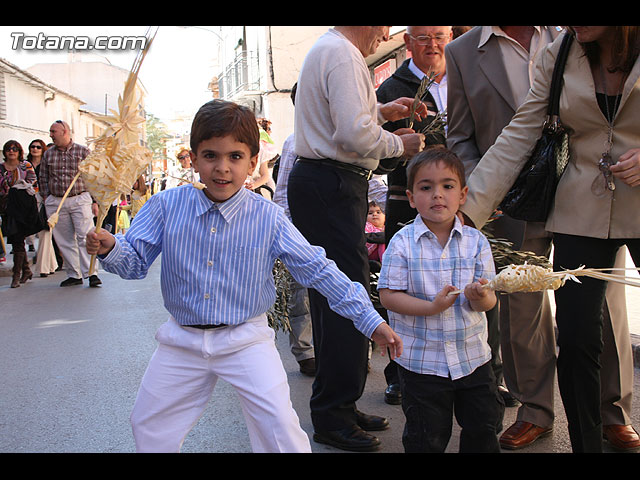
<point>480,104</point>
<point>576,209</point>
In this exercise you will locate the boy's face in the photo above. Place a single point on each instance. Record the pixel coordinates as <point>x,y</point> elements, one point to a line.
<point>437,194</point>
<point>223,164</point>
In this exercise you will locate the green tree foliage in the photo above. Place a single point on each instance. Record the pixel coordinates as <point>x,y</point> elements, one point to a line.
<point>156,136</point>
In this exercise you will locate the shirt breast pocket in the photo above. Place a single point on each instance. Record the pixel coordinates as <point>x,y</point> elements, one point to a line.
<point>252,261</point>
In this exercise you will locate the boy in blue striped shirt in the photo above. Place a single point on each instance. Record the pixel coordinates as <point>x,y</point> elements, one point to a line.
<point>444,367</point>
<point>218,249</point>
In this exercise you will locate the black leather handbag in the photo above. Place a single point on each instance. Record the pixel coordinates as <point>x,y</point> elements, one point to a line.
<point>532,194</point>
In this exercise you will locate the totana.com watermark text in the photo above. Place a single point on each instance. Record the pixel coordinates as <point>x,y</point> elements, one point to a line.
<point>20,41</point>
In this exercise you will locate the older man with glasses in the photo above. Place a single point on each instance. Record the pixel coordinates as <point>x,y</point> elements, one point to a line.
<point>58,168</point>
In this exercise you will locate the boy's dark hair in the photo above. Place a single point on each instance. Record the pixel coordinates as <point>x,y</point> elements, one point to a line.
<point>219,118</point>
<point>435,154</point>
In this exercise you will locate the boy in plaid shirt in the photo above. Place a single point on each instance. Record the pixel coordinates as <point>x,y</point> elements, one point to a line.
<point>445,363</point>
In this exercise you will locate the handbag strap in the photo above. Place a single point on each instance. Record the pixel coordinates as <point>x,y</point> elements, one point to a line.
<point>557,79</point>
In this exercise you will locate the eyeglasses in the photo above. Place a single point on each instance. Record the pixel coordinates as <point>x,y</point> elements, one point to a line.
<point>183,157</point>
<point>440,39</point>
<point>13,148</point>
<point>38,147</point>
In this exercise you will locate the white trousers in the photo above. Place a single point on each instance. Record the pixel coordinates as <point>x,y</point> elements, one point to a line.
<point>74,221</point>
<point>182,374</point>
<point>47,262</point>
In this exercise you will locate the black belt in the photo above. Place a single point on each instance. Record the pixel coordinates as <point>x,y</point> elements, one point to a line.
<point>363,172</point>
<point>207,327</point>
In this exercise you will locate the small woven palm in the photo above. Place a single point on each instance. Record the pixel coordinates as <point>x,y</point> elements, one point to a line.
<point>526,278</point>
<point>535,278</point>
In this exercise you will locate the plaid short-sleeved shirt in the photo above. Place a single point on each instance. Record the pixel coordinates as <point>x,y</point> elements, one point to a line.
<point>454,342</point>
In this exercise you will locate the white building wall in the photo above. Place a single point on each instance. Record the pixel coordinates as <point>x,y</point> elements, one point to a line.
<point>289,46</point>
<point>281,51</point>
<point>31,106</point>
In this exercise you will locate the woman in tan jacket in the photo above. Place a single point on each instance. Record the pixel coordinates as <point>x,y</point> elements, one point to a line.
<point>597,201</point>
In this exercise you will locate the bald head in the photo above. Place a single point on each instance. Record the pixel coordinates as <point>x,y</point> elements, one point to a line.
<point>60,133</point>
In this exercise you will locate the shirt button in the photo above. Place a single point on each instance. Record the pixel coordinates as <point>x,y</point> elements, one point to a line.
<point>213,229</point>
<point>209,263</point>
<point>206,296</point>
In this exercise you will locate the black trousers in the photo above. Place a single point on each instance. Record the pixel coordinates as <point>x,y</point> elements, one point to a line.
<point>430,402</point>
<point>329,207</point>
<point>579,310</point>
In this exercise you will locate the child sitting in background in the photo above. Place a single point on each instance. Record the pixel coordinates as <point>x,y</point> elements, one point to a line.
<point>375,223</point>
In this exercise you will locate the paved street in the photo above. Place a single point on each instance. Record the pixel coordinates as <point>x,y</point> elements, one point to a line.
<point>72,359</point>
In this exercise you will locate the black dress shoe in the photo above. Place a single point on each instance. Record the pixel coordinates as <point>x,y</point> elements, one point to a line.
<point>392,394</point>
<point>351,438</point>
<point>71,281</point>
<point>372,423</point>
<point>94,281</point>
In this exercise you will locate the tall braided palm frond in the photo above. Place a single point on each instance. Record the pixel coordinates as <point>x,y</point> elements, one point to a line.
<point>117,159</point>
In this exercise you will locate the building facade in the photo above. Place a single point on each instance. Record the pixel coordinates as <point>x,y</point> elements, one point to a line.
<point>29,105</point>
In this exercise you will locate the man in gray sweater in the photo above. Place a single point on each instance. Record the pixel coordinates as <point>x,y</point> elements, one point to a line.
<point>339,142</point>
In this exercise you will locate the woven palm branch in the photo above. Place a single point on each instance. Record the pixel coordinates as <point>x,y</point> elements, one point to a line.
<point>117,158</point>
<point>535,278</point>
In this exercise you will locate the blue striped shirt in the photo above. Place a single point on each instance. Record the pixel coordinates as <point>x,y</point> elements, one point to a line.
<point>454,342</point>
<point>217,258</point>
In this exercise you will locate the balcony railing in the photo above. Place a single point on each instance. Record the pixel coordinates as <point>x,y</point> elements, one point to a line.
<point>242,74</point>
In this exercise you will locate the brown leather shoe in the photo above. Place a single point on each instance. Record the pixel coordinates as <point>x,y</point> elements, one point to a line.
<point>622,437</point>
<point>522,434</point>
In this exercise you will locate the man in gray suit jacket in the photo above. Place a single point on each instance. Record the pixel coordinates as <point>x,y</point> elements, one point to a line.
<point>489,70</point>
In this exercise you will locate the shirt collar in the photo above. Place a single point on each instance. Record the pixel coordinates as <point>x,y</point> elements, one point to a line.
<point>67,148</point>
<point>413,68</point>
<point>227,209</point>
<point>488,31</point>
<point>420,229</point>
